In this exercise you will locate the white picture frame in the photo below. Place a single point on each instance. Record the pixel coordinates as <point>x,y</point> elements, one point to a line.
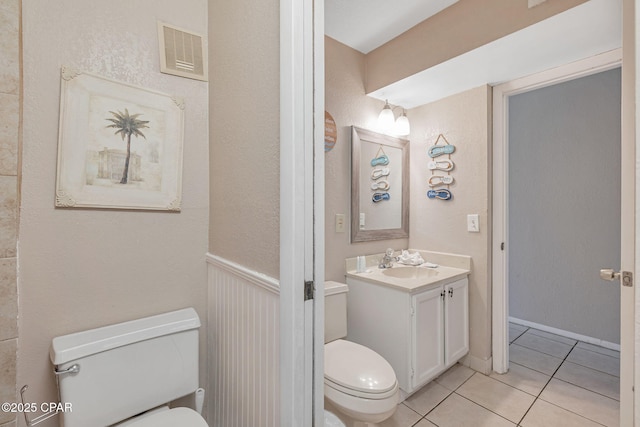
<point>99,118</point>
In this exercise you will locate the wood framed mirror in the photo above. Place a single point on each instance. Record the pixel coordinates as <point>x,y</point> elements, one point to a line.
<point>379,186</point>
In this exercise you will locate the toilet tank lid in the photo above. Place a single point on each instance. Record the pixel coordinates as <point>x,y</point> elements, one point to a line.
<point>331,288</point>
<point>82,344</point>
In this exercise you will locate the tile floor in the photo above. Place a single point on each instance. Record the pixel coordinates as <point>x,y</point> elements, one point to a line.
<point>552,381</point>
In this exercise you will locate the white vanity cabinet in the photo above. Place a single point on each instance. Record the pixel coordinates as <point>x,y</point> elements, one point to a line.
<point>439,330</point>
<point>420,333</point>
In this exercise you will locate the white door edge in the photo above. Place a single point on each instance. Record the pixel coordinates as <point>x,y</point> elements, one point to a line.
<point>318,212</point>
<point>501,94</point>
<point>296,211</point>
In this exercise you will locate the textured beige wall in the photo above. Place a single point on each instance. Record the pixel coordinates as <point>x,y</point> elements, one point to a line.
<point>460,28</point>
<point>346,101</point>
<point>9,138</point>
<point>81,269</point>
<point>244,127</point>
<point>465,120</point>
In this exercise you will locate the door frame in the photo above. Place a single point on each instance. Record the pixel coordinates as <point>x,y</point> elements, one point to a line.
<point>500,290</point>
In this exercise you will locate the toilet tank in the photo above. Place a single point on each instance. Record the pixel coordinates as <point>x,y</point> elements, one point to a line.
<point>127,368</point>
<point>335,311</point>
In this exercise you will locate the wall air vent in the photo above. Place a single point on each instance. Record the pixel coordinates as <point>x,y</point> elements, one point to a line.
<point>182,52</point>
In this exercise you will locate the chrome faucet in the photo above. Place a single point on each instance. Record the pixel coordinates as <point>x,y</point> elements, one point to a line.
<point>387,259</point>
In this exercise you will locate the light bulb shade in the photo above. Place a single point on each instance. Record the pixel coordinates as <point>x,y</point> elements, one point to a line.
<point>386,119</point>
<point>402,126</point>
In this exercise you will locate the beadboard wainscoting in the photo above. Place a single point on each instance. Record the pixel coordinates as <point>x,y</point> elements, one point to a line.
<point>244,340</point>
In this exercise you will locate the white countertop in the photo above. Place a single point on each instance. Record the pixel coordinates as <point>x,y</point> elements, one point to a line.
<point>432,277</point>
<point>422,278</point>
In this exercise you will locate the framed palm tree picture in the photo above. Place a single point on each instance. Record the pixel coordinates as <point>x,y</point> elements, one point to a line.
<point>119,145</point>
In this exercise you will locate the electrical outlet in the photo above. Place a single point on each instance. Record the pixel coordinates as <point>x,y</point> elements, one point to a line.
<point>339,223</point>
<point>473,223</point>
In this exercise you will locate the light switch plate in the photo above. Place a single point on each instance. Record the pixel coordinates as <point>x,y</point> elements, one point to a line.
<point>361,220</point>
<point>473,223</point>
<point>339,223</point>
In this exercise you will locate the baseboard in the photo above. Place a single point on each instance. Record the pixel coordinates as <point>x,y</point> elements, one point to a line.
<point>567,334</point>
<point>484,366</point>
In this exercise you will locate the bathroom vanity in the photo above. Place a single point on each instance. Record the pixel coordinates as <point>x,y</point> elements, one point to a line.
<point>417,318</point>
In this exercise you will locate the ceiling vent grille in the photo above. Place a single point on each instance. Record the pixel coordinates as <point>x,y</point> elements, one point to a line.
<point>182,52</point>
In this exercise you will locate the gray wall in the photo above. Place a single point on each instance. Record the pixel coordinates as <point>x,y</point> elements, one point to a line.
<point>564,205</point>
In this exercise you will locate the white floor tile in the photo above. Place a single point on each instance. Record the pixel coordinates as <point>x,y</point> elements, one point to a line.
<point>597,361</point>
<point>518,327</point>
<point>523,378</point>
<point>533,359</point>
<point>544,345</point>
<point>427,398</point>
<point>456,411</point>
<point>590,379</point>
<point>498,397</point>
<point>455,376</point>
<point>583,402</point>
<point>581,395</point>
<point>544,414</point>
<point>403,417</point>
<point>514,333</point>
<point>551,336</point>
<point>598,349</point>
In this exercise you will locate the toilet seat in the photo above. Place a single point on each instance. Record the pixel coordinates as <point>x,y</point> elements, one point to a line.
<point>358,371</point>
<point>183,417</point>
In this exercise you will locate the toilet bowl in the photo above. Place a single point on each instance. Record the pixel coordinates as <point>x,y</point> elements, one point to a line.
<point>359,383</point>
<point>165,417</point>
<point>331,420</point>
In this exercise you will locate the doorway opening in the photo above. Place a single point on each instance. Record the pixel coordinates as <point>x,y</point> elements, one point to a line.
<point>556,223</point>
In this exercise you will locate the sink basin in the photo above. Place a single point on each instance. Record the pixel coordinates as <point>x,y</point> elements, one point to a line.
<point>410,272</point>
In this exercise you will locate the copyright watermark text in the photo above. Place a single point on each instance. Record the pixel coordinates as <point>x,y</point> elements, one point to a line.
<point>45,407</point>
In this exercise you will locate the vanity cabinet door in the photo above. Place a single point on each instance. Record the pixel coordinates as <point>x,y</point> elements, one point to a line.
<point>427,333</point>
<point>456,323</point>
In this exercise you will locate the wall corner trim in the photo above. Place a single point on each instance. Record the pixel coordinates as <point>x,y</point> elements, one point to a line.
<point>484,366</point>
<point>259,279</point>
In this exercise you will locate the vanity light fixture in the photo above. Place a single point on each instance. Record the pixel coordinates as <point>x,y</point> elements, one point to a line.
<point>386,118</point>
<point>402,126</point>
<point>388,123</point>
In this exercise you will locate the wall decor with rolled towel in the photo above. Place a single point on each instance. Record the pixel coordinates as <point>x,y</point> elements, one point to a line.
<point>439,166</point>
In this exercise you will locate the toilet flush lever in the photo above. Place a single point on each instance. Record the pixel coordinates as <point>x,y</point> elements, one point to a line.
<point>73,369</point>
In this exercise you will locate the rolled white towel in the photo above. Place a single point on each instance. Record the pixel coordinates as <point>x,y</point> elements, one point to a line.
<point>410,259</point>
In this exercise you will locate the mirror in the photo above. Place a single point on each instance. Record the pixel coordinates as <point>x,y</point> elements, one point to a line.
<point>379,186</point>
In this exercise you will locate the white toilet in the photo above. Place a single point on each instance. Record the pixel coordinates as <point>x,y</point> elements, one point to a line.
<point>358,383</point>
<point>126,374</point>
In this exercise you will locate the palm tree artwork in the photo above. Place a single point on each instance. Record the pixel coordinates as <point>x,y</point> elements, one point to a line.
<point>126,126</point>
